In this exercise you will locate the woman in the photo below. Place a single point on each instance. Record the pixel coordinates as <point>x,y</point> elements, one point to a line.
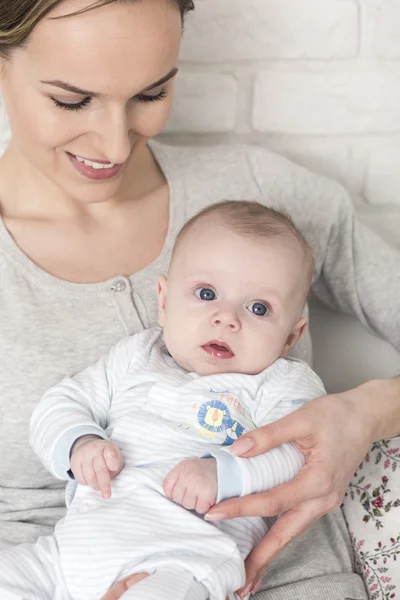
<point>90,209</point>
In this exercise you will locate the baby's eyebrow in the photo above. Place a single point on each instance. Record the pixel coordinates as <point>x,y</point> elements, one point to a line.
<point>69,87</point>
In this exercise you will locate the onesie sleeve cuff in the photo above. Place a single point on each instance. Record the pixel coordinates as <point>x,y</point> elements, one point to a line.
<point>61,455</point>
<point>230,479</point>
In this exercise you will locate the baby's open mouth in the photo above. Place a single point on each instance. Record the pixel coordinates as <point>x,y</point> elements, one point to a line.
<point>218,349</point>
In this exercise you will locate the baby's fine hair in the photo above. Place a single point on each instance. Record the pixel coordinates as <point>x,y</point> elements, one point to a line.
<point>249,218</point>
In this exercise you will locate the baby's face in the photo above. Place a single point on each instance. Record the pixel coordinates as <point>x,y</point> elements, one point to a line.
<point>231,303</point>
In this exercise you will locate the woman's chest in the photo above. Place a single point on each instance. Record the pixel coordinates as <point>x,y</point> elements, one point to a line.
<point>90,250</point>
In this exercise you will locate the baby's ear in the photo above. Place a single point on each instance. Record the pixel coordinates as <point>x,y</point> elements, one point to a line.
<point>294,336</point>
<point>162,299</point>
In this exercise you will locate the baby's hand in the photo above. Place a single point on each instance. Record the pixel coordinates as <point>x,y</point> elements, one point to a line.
<point>193,484</point>
<point>95,462</point>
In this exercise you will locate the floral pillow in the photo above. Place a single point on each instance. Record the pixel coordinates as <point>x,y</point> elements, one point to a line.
<point>372,510</point>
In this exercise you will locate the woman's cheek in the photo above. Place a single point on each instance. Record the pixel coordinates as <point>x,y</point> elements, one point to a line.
<point>151,120</point>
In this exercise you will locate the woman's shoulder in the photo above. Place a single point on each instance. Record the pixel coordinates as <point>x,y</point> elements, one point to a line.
<point>218,159</point>
<point>245,170</point>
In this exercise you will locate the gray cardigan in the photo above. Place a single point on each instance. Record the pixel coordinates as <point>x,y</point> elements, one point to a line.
<point>50,327</point>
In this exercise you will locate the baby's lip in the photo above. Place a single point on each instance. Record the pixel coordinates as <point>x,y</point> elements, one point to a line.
<point>218,348</point>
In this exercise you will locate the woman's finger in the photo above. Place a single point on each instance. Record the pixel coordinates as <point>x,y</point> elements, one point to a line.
<point>118,590</point>
<point>285,529</point>
<point>274,502</point>
<point>288,429</point>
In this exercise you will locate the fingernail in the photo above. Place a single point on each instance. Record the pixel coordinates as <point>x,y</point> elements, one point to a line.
<point>246,590</point>
<point>215,517</point>
<point>242,446</point>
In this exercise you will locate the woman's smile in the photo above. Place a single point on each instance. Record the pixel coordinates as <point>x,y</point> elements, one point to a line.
<point>95,169</point>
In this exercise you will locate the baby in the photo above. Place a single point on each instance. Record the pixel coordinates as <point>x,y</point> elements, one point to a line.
<point>162,408</point>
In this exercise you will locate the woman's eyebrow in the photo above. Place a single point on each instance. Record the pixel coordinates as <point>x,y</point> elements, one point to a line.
<point>164,79</point>
<point>68,87</point>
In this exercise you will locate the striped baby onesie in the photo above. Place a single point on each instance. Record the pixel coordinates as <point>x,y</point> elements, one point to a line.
<point>159,414</point>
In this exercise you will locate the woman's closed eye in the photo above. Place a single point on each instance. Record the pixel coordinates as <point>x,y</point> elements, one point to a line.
<point>143,98</point>
<point>72,105</point>
<point>152,97</point>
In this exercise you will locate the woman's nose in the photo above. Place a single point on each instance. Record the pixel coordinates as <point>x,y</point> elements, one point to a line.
<point>114,137</point>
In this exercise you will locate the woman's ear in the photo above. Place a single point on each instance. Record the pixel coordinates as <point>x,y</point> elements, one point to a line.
<point>162,299</point>
<point>294,336</point>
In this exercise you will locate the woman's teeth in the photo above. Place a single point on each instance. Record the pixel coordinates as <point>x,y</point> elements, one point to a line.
<point>95,165</point>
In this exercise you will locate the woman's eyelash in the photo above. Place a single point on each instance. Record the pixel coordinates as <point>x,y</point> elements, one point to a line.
<point>78,105</point>
<point>70,106</point>
<point>143,98</point>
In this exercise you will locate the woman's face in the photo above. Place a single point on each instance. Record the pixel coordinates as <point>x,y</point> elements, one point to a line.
<point>89,90</point>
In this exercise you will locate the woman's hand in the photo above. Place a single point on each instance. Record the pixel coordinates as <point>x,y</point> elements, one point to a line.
<point>334,433</point>
<point>118,590</point>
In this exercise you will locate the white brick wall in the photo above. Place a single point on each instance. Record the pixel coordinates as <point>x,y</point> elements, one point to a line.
<point>317,80</point>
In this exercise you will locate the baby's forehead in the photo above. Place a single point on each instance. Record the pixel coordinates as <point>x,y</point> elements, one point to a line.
<point>221,248</point>
<point>208,232</point>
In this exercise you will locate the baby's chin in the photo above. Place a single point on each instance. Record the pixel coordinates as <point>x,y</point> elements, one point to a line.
<point>205,369</point>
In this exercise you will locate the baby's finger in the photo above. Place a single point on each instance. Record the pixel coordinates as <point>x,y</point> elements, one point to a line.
<point>76,468</point>
<point>189,501</point>
<point>170,482</point>
<point>103,476</point>
<point>112,457</point>
<point>202,506</point>
<point>178,494</point>
<point>89,473</point>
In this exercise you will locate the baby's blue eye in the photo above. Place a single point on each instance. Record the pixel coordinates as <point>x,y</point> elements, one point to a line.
<point>258,308</point>
<point>205,294</point>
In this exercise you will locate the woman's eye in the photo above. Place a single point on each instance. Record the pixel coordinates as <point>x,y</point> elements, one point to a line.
<point>205,294</point>
<point>72,106</point>
<point>147,98</point>
<point>258,308</point>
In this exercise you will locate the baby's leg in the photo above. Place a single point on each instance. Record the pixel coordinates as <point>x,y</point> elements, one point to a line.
<point>168,584</point>
<point>32,572</point>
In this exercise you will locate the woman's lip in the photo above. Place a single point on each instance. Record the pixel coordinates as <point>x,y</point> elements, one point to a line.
<point>94,174</point>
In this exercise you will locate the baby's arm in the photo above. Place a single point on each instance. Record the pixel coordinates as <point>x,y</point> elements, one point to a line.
<point>78,406</point>
<point>289,385</point>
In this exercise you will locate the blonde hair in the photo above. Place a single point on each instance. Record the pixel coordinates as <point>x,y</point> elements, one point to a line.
<point>251,219</point>
<point>18,18</point>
